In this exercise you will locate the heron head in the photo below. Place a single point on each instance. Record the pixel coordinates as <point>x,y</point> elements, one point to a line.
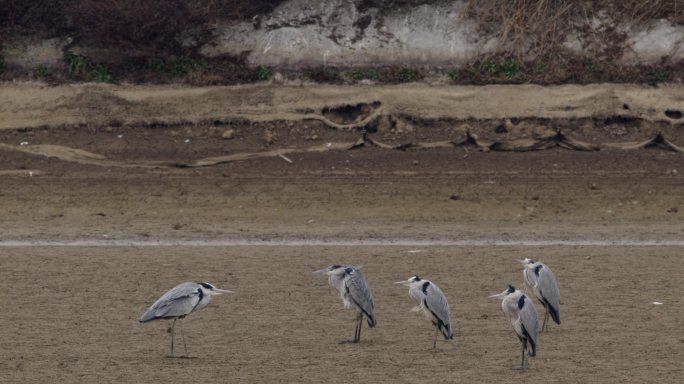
<point>412,279</point>
<point>211,290</point>
<point>329,270</point>
<point>505,293</point>
<point>527,261</point>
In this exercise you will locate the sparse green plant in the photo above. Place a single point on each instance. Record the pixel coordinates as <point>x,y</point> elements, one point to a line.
<point>42,71</point>
<point>658,75</point>
<point>182,65</point>
<point>358,74</point>
<point>156,65</point>
<point>407,75</point>
<point>354,74</point>
<point>542,67</point>
<point>373,74</point>
<point>264,73</point>
<point>508,68</point>
<point>101,74</point>
<point>453,74</point>
<point>593,68</point>
<point>77,64</point>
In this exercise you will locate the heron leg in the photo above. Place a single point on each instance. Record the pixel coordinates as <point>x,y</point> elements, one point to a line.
<point>524,348</point>
<point>546,319</point>
<point>173,333</point>
<point>434,343</point>
<point>357,331</point>
<point>359,325</point>
<point>183,336</point>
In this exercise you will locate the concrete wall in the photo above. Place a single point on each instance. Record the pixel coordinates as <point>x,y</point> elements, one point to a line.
<point>305,33</point>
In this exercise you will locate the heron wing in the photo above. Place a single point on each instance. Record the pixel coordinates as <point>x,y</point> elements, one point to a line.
<point>178,301</point>
<point>436,302</point>
<point>548,289</point>
<point>528,318</point>
<point>359,293</point>
<point>530,279</point>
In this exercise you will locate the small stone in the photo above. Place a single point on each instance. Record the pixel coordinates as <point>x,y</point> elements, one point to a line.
<point>455,197</point>
<point>673,210</point>
<point>228,134</point>
<point>415,162</point>
<point>593,186</point>
<point>269,137</point>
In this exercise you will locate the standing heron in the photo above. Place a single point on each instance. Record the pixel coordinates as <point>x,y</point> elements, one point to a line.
<point>540,280</point>
<point>354,292</point>
<point>179,302</point>
<point>522,314</point>
<point>432,302</point>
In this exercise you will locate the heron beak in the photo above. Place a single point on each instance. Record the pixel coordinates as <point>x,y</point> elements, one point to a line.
<point>522,262</point>
<point>497,296</point>
<point>324,270</point>
<point>404,282</point>
<point>220,291</point>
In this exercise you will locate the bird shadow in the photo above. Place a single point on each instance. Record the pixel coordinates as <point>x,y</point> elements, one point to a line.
<point>180,357</point>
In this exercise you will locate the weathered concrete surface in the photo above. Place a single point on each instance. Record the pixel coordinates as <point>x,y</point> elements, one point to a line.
<point>29,53</point>
<point>659,40</point>
<point>347,33</point>
<point>300,34</point>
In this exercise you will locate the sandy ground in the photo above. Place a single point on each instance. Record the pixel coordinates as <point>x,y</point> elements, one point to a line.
<point>71,312</point>
<point>71,316</point>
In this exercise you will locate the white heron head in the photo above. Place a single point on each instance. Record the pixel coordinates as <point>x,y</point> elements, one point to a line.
<point>332,269</point>
<point>209,289</point>
<point>527,262</point>
<point>505,293</point>
<point>411,280</point>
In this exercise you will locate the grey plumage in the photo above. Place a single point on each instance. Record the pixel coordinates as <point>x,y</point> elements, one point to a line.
<point>180,301</point>
<point>541,281</point>
<point>432,302</point>
<point>522,314</point>
<point>354,292</point>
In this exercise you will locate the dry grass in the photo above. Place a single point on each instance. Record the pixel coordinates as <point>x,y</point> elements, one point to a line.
<point>531,33</point>
<point>531,28</point>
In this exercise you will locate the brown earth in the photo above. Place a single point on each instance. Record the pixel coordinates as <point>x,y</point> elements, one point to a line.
<point>71,312</point>
<point>71,315</point>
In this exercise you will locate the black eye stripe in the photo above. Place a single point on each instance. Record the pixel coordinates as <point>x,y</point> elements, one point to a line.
<point>206,286</point>
<point>511,289</point>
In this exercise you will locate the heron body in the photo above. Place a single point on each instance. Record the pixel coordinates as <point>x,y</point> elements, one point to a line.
<point>540,280</point>
<point>180,301</point>
<point>354,292</point>
<point>522,314</point>
<point>431,301</point>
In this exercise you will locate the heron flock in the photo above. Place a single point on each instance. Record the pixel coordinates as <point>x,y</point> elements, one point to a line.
<point>355,292</point>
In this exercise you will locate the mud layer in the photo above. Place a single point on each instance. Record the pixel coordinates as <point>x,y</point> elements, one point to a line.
<point>77,317</point>
<point>71,312</point>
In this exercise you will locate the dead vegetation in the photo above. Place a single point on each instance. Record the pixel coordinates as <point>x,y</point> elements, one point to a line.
<point>156,41</point>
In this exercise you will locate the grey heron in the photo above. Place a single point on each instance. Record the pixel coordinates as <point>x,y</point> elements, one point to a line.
<point>522,314</point>
<point>354,292</point>
<point>432,302</point>
<point>540,280</point>
<point>179,302</point>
